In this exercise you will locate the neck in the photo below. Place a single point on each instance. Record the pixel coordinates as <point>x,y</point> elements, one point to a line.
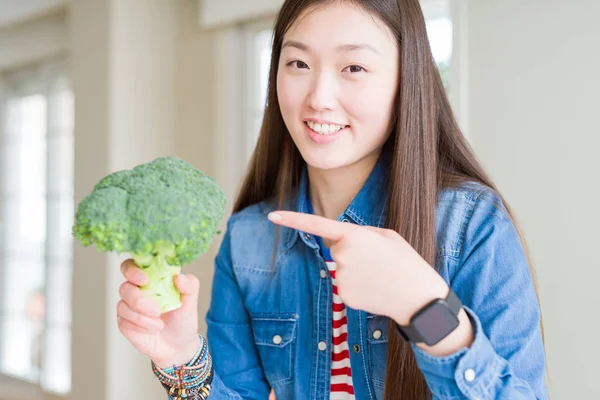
<point>332,190</point>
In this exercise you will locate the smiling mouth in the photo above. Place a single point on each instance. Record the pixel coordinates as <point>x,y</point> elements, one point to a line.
<point>324,129</point>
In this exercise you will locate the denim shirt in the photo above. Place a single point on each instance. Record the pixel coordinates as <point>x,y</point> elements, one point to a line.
<point>268,323</point>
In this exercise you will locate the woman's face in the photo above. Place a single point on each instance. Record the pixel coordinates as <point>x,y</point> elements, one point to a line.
<point>337,81</point>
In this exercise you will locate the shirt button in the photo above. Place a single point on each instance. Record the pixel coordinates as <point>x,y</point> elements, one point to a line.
<point>322,346</point>
<point>470,375</point>
<point>345,220</point>
<point>306,236</point>
<point>377,334</point>
<point>323,274</point>
<point>277,339</point>
<point>356,348</point>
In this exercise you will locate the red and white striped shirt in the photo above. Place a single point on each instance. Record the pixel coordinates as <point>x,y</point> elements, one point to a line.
<point>341,374</point>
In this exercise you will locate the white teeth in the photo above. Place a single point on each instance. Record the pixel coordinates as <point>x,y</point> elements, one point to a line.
<point>324,129</point>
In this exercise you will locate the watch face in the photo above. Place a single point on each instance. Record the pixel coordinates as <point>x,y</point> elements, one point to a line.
<point>435,322</point>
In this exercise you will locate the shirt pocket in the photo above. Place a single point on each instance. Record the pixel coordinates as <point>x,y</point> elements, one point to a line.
<point>377,340</point>
<point>275,338</point>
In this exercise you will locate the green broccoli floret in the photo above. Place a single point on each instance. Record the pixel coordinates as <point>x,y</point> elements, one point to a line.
<point>164,213</point>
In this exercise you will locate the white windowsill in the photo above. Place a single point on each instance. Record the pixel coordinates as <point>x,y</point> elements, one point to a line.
<point>18,389</point>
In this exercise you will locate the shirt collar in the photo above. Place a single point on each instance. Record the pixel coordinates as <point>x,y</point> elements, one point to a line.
<point>366,208</point>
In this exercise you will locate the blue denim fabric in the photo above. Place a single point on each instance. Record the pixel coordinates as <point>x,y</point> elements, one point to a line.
<point>265,323</point>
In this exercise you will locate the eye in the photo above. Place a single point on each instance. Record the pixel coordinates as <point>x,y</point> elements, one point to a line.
<point>353,69</point>
<point>298,64</point>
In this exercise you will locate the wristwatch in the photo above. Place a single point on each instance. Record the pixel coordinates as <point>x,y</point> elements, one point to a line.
<point>434,322</point>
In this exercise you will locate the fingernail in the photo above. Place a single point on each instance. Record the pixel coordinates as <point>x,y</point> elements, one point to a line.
<point>182,280</point>
<point>275,217</point>
<point>141,277</point>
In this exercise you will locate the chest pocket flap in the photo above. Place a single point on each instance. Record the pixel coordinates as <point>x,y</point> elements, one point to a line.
<point>275,338</point>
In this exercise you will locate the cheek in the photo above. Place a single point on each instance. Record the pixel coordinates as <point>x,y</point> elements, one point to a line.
<point>289,96</point>
<point>371,108</point>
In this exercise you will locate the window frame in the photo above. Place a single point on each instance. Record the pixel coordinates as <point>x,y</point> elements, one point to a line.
<point>41,77</point>
<point>252,89</point>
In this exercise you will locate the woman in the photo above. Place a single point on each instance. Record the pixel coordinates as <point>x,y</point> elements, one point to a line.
<point>397,270</point>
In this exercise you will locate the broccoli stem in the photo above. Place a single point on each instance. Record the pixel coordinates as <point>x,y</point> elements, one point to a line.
<point>160,287</point>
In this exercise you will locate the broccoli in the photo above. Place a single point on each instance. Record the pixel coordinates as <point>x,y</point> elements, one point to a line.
<point>164,213</point>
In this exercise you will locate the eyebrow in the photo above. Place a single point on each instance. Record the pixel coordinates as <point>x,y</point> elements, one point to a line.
<point>345,48</point>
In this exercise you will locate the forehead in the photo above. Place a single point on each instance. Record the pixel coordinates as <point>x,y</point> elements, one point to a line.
<point>339,23</point>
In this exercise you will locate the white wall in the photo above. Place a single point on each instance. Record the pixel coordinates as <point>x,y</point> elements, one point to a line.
<point>33,40</point>
<point>17,11</point>
<point>533,118</point>
<point>143,90</point>
<point>221,12</point>
<point>196,127</point>
<point>123,60</point>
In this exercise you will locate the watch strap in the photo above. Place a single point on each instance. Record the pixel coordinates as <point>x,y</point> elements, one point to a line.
<point>453,302</point>
<point>409,334</point>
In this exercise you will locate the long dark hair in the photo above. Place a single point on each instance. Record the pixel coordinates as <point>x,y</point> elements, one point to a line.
<point>428,153</point>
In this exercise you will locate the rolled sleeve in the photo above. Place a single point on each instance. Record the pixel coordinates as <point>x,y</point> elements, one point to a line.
<point>490,274</point>
<point>469,373</point>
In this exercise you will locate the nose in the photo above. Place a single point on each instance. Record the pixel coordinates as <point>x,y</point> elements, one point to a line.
<point>322,95</point>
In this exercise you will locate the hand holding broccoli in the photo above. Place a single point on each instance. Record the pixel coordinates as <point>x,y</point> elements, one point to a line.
<point>170,339</point>
<point>165,214</point>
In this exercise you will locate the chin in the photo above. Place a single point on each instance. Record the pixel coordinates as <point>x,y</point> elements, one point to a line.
<point>326,162</point>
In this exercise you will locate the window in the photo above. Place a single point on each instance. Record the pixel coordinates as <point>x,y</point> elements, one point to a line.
<point>36,215</point>
<point>440,31</point>
<point>258,39</point>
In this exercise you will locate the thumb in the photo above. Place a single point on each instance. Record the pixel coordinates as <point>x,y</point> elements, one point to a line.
<point>189,287</point>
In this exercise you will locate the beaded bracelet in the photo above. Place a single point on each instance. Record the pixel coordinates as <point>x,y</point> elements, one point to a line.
<point>191,381</point>
<point>197,392</point>
<point>185,377</point>
<point>199,354</point>
<point>180,388</point>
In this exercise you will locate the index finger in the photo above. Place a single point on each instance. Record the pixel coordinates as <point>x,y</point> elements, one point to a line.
<point>314,224</point>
